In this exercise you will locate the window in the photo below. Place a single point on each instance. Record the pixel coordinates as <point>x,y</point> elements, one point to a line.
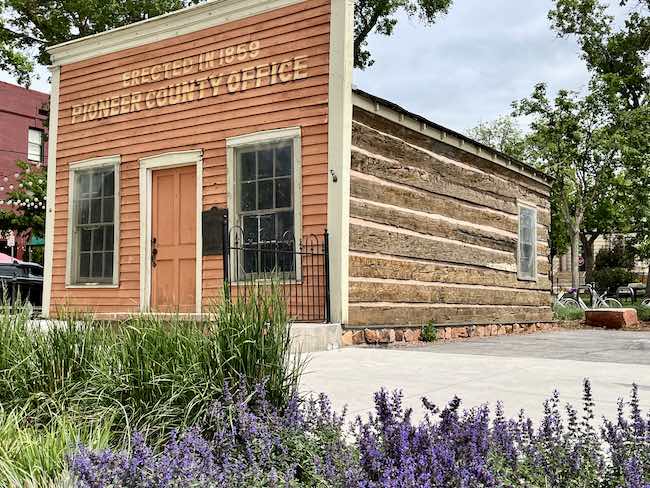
<point>266,200</point>
<point>93,220</point>
<point>35,146</point>
<point>527,252</point>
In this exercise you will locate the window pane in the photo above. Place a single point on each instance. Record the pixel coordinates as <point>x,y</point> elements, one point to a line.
<point>98,239</point>
<point>86,239</point>
<point>108,265</point>
<point>95,211</point>
<point>84,212</point>
<point>96,184</point>
<point>267,228</point>
<point>97,264</point>
<point>84,265</point>
<point>283,193</point>
<point>109,184</point>
<point>248,197</point>
<point>265,163</point>
<point>283,161</point>
<point>109,210</point>
<point>250,229</point>
<point>247,166</point>
<point>83,182</point>
<point>250,260</point>
<point>285,226</point>
<point>265,198</point>
<point>267,257</point>
<point>527,245</point>
<point>109,238</point>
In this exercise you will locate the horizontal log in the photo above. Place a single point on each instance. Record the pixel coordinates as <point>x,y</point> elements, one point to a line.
<point>392,147</point>
<point>433,226</point>
<point>394,291</point>
<point>393,314</point>
<point>418,139</point>
<point>375,189</point>
<point>365,266</point>
<point>370,239</point>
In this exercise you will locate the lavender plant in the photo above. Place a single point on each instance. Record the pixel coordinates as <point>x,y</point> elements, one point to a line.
<point>248,441</point>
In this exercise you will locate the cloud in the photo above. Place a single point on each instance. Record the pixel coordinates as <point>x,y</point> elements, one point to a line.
<point>473,63</point>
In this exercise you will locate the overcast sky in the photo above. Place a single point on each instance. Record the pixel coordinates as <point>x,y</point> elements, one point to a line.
<point>470,65</point>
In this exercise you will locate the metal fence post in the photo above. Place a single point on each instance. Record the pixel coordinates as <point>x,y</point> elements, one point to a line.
<point>226,255</point>
<point>326,254</point>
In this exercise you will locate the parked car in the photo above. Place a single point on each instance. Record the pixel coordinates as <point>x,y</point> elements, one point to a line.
<point>21,280</point>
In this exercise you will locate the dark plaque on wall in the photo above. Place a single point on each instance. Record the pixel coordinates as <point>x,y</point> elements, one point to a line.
<point>213,231</point>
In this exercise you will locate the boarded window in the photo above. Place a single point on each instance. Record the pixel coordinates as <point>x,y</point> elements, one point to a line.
<point>266,206</point>
<point>526,255</point>
<point>35,146</point>
<point>93,243</point>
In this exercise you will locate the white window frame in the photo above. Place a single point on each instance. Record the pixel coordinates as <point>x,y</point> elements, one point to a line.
<point>520,275</point>
<point>293,134</point>
<point>41,133</point>
<point>71,273</point>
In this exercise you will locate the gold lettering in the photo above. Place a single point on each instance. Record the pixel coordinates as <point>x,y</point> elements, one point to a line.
<point>150,100</point>
<point>115,106</point>
<point>246,76</point>
<point>145,75</point>
<point>300,68</point>
<point>135,77</point>
<point>215,82</point>
<point>230,54</point>
<point>175,94</point>
<point>167,67</point>
<point>136,98</point>
<point>208,60</point>
<point>156,72</point>
<point>125,79</point>
<point>125,104</point>
<point>161,97</point>
<point>77,110</point>
<point>254,49</point>
<point>203,86</point>
<point>242,52</point>
<point>92,111</point>
<point>284,72</point>
<point>187,91</point>
<point>188,66</point>
<point>234,82</point>
<point>262,71</point>
<point>177,68</point>
<point>104,108</point>
<point>274,73</point>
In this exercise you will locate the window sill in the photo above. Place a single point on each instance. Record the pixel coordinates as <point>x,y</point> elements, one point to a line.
<point>91,285</point>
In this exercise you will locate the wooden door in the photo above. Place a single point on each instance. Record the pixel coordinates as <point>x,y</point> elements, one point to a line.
<point>173,243</point>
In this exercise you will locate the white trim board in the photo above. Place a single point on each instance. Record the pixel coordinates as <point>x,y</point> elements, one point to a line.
<point>174,24</point>
<point>104,161</point>
<point>53,129</point>
<point>339,154</point>
<point>147,165</point>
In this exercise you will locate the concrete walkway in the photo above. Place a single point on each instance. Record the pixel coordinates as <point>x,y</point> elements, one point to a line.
<point>520,371</point>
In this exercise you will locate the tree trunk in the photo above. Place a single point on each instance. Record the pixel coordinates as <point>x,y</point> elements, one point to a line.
<point>575,251</point>
<point>588,251</point>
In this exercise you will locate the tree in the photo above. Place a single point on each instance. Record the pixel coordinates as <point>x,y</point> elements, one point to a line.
<point>502,134</point>
<point>24,209</point>
<point>27,27</point>
<point>379,16</point>
<point>573,139</point>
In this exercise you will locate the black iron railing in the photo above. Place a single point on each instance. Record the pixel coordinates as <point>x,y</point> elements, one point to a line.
<point>299,269</point>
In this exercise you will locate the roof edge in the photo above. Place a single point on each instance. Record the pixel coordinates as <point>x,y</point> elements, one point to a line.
<point>447,136</point>
<point>172,24</point>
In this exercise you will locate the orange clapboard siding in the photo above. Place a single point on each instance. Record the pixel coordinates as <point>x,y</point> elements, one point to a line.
<point>301,29</point>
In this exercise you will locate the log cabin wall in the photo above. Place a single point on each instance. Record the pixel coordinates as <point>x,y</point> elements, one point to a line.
<point>434,232</point>
<point>135,128</point>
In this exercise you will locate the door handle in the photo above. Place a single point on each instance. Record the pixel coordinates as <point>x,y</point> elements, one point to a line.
<point>154,252</point>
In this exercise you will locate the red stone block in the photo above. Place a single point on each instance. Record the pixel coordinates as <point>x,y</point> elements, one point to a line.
<point>611,318</point>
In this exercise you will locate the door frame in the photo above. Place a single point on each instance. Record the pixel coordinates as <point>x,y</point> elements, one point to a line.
<point>149,164</point>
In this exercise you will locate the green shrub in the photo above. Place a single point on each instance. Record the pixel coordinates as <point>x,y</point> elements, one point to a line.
<point>429,332</point>
<point>568,313</point>
<point>611,278</point>
<point>619,256</point>
<point>643,313</point>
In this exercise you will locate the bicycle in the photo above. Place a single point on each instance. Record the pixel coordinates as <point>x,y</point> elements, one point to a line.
<point>572,299</point>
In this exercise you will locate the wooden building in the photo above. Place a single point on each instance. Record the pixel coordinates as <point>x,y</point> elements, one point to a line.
<point>247,106</point>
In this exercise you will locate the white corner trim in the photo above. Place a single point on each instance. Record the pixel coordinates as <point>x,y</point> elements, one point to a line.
<point>147,165</point>
<point>51,190</point>
<point>339,153</point>
<point>269,136</point>
<point>103,161</point>
<point>173,24</point>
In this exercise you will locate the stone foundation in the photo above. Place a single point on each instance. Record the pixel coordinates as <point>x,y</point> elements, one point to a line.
<point>393,335</point>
